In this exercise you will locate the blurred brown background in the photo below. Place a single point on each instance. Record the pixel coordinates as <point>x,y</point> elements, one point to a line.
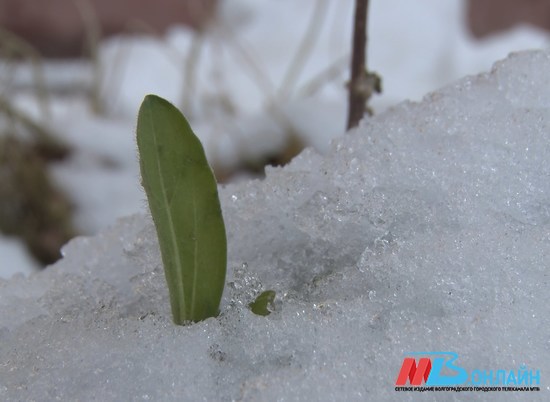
<point>58,28</point>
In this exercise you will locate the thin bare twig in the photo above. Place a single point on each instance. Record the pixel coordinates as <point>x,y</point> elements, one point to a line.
<point>325,76</point>
<point>92,29</point>
<point>250,62</point>
<point>18,46</point>
<point>362,83</point>
<point>43,136</point>
<point>191,62</point>
<point>304,50</point>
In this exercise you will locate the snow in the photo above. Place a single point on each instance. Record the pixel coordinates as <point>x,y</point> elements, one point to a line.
<point>425,229</point>
<point>243,100</point>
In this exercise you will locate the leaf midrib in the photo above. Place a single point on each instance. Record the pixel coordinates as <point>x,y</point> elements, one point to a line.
<point>175,245</point>
<point>195,247</point>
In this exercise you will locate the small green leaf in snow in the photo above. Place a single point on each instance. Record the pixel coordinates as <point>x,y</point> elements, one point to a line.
<point>183,198</point>
<point>260,305</point>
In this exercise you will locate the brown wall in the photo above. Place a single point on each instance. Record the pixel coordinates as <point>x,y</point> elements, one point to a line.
<point>488,16</point>
<point>56,27</point>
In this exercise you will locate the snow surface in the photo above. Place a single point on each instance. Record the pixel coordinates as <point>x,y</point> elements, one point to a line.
<point>427,228</point>
<point>243,99</point>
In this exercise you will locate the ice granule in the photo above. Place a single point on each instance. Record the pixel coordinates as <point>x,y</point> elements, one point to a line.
<point>427,228</point>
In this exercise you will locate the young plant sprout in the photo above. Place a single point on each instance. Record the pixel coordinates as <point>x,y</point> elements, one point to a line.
<point>183,198</point>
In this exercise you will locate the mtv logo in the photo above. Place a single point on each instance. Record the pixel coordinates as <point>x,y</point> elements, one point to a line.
<point>429,370</point>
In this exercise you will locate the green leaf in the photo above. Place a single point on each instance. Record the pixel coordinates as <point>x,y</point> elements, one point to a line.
<point>259,306</point>
<point>183,199</point>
